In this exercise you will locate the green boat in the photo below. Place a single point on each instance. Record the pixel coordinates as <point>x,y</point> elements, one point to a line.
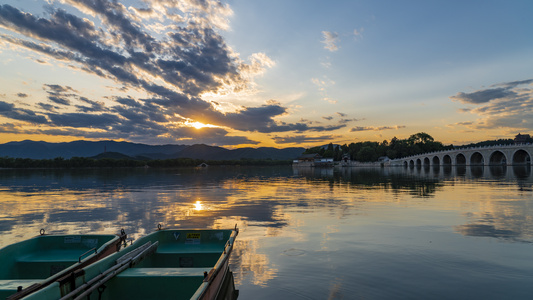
<point>166,264</point>
<point>31,265</point>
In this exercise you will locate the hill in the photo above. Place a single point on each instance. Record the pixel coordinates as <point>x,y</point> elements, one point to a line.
<point>117,155</point>
<point>45,150</point>
<point>112,149</point>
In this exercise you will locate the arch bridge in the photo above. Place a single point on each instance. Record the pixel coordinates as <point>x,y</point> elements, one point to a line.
<point>500,155</point>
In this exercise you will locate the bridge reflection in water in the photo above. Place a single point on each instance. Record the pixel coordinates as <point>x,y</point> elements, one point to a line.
<point>501,172</point>
<point>514,172</point>
<point>414,177</point>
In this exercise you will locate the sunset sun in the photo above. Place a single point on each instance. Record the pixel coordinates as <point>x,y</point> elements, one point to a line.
<point>199,125</point>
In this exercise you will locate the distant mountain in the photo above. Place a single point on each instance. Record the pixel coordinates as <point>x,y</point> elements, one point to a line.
<point>117,155</point>
<point>201,151</point>
<point>45,150</point>
<point>112,149</point>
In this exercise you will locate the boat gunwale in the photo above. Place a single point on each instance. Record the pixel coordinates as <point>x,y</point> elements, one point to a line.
<point>204,287</point>
<point>106,249</point>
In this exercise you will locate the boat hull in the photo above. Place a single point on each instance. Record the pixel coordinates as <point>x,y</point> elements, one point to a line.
<point>167,264</point>
<point>31,265</point>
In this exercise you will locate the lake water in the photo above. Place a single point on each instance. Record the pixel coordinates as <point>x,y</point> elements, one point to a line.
<point>350,233</point>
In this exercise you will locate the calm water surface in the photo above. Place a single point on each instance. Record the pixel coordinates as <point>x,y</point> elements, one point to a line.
<point>351,233</point>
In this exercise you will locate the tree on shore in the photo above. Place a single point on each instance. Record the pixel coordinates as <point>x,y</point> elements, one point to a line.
<point>371,151</point>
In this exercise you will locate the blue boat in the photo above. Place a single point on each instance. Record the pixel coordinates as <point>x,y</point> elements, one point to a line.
<point>31,265</point>
<point>166,264</point>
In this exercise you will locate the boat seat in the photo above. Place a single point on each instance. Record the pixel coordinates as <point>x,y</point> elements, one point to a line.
<point>131,283</point>
<point>164,272</point>
<point>45,263</point>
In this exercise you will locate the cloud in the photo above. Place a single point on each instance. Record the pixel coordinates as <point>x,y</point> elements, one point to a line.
<point>467,123</point>
<point>330,40</point>
<point>207,13</point>
<point>95,106</point>
<point>47,107</point>
<point>102,121</point>
<point>513,84</point>
<point>174,67</point>
<point>322,85</point>
<point>345,121</point>
<point>9,128</point>
<point>192,59</point>
<point>59,100</point>
<point>507,105</point>
<point>358,33</point>
<point>59,94</point>
<point>483,96</point>
<point>9,110</point>
<point>302,139</point>
<point>58,89</point>
<point>342,119</point>
<point>259,63</point>
<point>372,128</point>
<point>496,92</point>
<point>4,106</point>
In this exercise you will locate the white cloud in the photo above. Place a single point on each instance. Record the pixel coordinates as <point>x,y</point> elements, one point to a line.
<point>330,40</point>
<point>358,33</point>
<point>506,105</point>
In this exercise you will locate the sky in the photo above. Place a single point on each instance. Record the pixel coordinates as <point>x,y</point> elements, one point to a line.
<point>277,73</point>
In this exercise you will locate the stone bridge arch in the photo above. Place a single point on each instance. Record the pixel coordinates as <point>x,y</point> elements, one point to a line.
<point>519,154</point>
<point>521,157</point>
<point>477,159</point>
<point>497,158</point>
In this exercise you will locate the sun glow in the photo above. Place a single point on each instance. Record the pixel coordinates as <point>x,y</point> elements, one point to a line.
<point>199,125</point>
<point>198,205</point>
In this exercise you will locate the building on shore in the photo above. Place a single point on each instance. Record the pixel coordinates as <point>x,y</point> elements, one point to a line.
<point>313,160</point>
<point>522,138</point>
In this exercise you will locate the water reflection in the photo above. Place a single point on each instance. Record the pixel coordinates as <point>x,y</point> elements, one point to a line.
<point>423,181</point>
<point>522,172</point>
<point>140,199</point>
<point>291,219</point>
<point>486,230</point>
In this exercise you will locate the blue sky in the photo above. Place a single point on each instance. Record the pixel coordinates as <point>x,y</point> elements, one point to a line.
<point>265,73</point>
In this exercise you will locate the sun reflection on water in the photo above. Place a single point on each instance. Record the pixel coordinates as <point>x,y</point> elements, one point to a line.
<point>198,205</point>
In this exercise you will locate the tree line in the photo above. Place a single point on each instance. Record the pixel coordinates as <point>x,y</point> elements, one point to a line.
<point>371,151</point>
<point>87,162</point>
